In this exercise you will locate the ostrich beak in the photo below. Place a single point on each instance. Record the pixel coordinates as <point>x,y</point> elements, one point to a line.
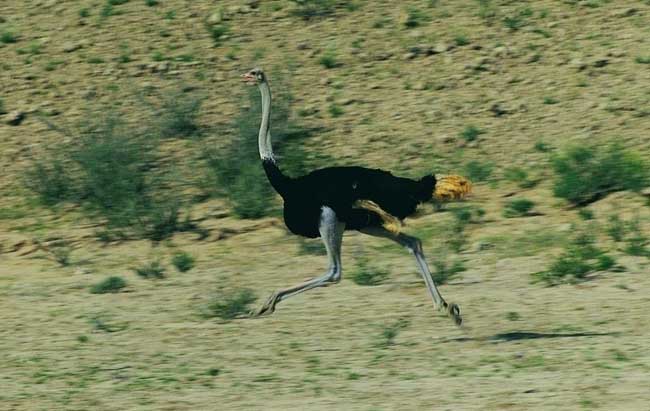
<point>248,78</point>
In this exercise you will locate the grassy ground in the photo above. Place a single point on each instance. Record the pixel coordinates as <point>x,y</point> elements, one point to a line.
<point>534,77</point>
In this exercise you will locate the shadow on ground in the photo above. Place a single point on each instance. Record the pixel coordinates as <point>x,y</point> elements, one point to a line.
<point>529,335</point>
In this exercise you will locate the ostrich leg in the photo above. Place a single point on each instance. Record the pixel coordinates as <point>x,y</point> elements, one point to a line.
<point>414,245</point>
<point>331,231</point>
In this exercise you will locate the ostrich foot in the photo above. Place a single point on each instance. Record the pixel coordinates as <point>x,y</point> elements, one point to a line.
<point>453,310</point>
<point>268,307</point>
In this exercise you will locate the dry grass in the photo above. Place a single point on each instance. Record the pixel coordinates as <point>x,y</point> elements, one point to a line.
<point>574,346</point>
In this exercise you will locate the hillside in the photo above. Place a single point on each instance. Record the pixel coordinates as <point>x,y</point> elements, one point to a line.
<point>496,90</point>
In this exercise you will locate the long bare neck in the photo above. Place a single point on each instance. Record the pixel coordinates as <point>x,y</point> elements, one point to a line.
<point>280,182</point>
<point>264,138</point>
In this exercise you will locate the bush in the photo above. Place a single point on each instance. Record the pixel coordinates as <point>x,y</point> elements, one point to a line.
<point>390,332</point>
<point>580,259</point>
<point>236,170</point>
<point>415,17</point>
<point>217,31</point>
<point>113,163</point>
<point>519,176</point>
<point>8,37</point>
<point>584,175</point>
<point>50,180</point>
<point>229,305</point>
<point>328,60</point>
<point>478,171</point>
<point>309,9</point>
<point>109,285</point>
<point>637,242</point>
<point>151,270</point>
<point>183,262</point>
<point>456,237</point>
<point>364,275</point>
<point>616,228</point>
<point>61,253</point>
<point>178,114</point>
<point>443,272</point>
<point>471,133</point>
<point>518,208</point>
<point>311,247</point>
<point>109,169</point>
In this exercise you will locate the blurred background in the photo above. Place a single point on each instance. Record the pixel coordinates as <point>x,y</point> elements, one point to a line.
<point>137,227</point>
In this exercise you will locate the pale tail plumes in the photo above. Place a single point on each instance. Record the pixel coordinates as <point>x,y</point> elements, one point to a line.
<point>389,222</point>
<point>451,187</point>
<point>448,188</point>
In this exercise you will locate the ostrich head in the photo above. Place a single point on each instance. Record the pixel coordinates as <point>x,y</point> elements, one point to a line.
<point>254,77</point>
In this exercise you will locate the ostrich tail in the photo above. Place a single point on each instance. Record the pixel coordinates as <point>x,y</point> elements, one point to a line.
<point>452,187</point>
<point>389,222</point>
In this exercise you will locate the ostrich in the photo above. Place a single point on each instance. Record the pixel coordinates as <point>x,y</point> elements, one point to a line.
<point>326,202</point>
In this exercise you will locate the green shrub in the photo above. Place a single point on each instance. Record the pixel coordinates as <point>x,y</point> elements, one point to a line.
<point>178,114</point>
<point>629,231</point>
<point>236,171</point>
<point>335,110</point>
<point>106,11</point>
<point>152,270</point>
<point>517,20</point>
<point>365,275</point>
<point>542,147</point>
<point>456,238</point>
<point>161,220</point>
<point>309,9</point>
<point>584,175</point>
<point>8,37</point>
<point>390,332</point>
<point>580,259</point>
<point>616,228</point>
<point>109,285</point>
<point>478,171</point>
<point>486,10</point>
<point>513,316</point>
<point>217,31</point>
<point>328,59</point>
<point>461,40</point>
<point>637,242</point>
<point>444,272</point>
<point>519,176</point>
<point>61,253</point>
<point>229,305</point>
<point>586,214</point>
<point>549,100</point>
<point>110,169</point>
<point>183,261</point>
<point>50,180</point>
<point>311,247</point>
<point>151,3</point>
<point>471,133</point>
<point>518,208</point>
<point>415,17</point>
<point>113,163</point>
<point>515,174</point>
<point>642,59</point>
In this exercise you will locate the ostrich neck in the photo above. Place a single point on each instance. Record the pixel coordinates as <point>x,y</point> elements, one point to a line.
<point>280,182</point>
<point>264,138</point>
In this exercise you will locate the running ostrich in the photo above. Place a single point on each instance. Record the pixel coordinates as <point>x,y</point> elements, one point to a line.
<point>326,202</point>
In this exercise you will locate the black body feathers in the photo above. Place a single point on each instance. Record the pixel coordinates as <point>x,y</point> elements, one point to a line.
<point>339,188</point>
